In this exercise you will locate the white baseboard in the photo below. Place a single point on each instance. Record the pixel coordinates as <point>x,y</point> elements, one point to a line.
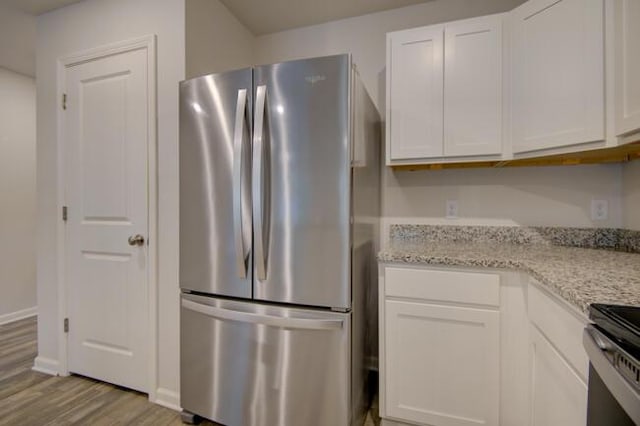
<point>46,366</point>
<point>168,398</point>
<point>387,422</point>
<point>18,315</point>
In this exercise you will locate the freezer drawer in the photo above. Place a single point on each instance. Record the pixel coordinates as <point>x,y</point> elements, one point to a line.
<point>248,364</point>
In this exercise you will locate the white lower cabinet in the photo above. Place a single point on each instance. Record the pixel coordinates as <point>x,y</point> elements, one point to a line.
<point>465,347</point>
<point>442,363</point>
<point>559,365</point>
<point>558,394</point>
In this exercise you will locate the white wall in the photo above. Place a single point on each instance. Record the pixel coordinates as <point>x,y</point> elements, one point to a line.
<point>215,39</point>
<point>17,195</point>
<point>17,41</point>
<point>76,28</point>
<point>631,195</point>
<point>553,196</point>
<point>536,196</point>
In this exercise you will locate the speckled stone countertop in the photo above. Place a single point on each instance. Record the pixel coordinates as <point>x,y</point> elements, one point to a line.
<point>579,275</point>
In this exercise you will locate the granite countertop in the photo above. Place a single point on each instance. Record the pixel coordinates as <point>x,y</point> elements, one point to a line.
<point>579,275</point>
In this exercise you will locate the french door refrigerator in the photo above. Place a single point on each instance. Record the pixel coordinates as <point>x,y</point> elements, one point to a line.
<point>279,212</point>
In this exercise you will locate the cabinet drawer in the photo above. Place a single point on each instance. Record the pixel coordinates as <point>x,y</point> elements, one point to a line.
<point>561,328</point>
<point>446,286</point>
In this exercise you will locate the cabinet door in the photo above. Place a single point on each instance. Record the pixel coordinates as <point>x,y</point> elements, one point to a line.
<point>557,73</point>
<point>415,93</point>
<point>473,87</point>
<point>559,396</point>
<point>627,83</point>
<point>442,364</point>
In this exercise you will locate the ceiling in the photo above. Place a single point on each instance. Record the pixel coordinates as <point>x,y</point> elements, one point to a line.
<point>262,16</point>
<point>36,7</point>
<point>269,16</point>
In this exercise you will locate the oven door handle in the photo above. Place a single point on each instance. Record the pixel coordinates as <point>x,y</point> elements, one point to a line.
<point>597,346</point>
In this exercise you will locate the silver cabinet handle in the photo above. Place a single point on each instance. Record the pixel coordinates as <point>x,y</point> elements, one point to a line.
<point>238,137</point>
<point>261,94</point>
<point>269,320</point>
<point>136,240</point>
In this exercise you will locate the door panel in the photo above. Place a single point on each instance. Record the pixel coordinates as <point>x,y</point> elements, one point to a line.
<point>271,355</point>
<point>557,73</point>
<point>627,36</point>
<point>106,137</point>
<point>416,93</point>
<point>559,396</point>
<point>302,176</point>
<point>209,257</point>
<point>473,87</point>
<point>442,364</point>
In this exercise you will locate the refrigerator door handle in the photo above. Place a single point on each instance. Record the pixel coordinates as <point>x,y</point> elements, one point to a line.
<point>258,141</point>
<point>269,320</point>
<point>238,142</point>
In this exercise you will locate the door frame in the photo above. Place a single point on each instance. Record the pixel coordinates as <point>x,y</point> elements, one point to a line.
<point>147,43</point>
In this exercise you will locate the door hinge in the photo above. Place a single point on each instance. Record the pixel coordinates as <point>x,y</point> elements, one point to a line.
<point>64,213</point>
<point>66,325</point>
<point>64,101</point>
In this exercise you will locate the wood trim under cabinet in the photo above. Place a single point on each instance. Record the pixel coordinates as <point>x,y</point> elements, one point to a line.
<point>619,154</point>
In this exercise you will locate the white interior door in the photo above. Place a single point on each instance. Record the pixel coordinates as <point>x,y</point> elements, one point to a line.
<point>106,135</point>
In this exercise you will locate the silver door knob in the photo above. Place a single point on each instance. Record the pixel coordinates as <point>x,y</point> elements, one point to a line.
<point>136,240</point>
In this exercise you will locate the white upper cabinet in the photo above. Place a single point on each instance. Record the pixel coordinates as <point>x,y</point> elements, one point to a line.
<point>557,74</point>
<point>627,65</point>
<point>415,93</point>
<point>549,77</point>
<point>444,90</point>
<point>473,87</point>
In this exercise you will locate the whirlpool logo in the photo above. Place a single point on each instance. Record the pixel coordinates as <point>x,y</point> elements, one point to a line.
<point>313,79</point>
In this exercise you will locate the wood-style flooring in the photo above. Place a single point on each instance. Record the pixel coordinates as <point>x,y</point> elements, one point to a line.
<point>29,398</point>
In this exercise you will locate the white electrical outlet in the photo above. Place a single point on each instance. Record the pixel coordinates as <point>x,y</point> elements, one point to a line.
<point>452,209</point>
<point>599,209</point>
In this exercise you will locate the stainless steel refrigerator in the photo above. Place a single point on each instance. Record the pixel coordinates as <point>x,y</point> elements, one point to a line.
<point>279,216</point>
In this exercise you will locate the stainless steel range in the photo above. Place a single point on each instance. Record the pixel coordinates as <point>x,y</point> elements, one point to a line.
<point>279,215</point>
<point>613,345</point>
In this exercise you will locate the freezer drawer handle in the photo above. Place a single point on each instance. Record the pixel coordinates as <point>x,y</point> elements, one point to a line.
<point>238,136</point>
<point>258,142</point>
<point>273,321</point>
